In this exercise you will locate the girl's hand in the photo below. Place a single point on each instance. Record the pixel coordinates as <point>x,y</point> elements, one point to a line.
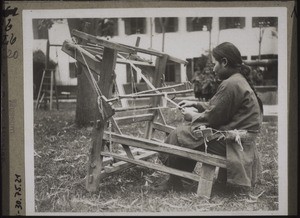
<point>189,112</point>
<point>186,103</point>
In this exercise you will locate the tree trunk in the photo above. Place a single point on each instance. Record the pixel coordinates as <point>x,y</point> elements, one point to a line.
<point>86,97</point>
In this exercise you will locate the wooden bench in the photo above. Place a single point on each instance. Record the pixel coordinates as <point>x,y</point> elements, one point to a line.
<point>151,146</point>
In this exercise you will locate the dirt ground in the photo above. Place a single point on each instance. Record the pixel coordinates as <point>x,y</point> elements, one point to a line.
<point>60,157</point>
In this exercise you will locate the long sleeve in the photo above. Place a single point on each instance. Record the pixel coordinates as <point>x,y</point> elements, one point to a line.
<point>202,106</point>
<point>221,108</point>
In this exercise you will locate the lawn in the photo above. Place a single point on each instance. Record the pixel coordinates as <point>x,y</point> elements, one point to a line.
<point>60,157</point>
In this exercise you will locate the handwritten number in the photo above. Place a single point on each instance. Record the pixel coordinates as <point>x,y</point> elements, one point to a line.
<point>8,25</point>
<point>18,180</point>
<point>15,55</point>
<point>4,40</point>
<point>11,54</point>
<point>17,188</point>
<point>12,39</point>
<point>17,193</point>
<point>12,12</point>
<point>19,206</point>
<point>9,39</point>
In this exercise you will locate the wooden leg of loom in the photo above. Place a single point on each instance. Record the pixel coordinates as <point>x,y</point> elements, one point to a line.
<point>95,165</point>
<point>207,173</point>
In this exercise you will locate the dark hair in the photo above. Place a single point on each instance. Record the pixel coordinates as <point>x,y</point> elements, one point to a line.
<point>234,59</point>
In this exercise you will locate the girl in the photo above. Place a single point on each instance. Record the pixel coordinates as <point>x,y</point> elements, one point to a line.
<point>235,106</point>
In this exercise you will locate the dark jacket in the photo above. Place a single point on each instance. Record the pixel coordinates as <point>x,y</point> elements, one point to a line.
<point>234,106</point>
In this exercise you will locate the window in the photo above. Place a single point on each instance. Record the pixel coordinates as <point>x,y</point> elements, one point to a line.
<point>170,24</point>
<point>265,56</point>
<point>198,23</point>
<point>130,72</point>
<point>231,22</point>
<point>72,70</point>
<point>107,27</point>
<point>264,21</point>
<point>135,26</point>
<point>172,72</point>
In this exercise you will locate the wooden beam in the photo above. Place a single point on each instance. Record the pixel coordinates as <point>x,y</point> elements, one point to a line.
<point>159,89</point>
<point>163,128</point>
<point>118,130</point>
<point>156,53</point>
<point>105,43</point>
<point>109,160</point>
<point>75,52</point>
<point>180,92</point>
<point>135,112</point>
<point>154,166</point>
<point>121,165</point>
<point>133,119</point>
<point>266,62</point>
<point>122,61</point>
<point>266,88</point>
<point>123,48</point>
<point>207,173</point>
<point>160,68</point>
<point>169,149</point>
<point>95,164</point>
<point>141,95</point>
<point>161,116</point>
<point>153,94</point>
<point>132,108</point>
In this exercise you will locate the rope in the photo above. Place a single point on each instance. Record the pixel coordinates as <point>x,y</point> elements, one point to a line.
<point>97,89</point>
<point>99,93</point>
<point>236,135</point>
<point>110,138</point>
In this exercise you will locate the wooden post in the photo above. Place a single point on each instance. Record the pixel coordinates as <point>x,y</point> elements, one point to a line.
<point>85,93</point>
<point>160,68</point>
<point>47,55</point>
<point>207,173</point>
<point>51,89</point>
<point>56,91</point>
<point>105,83</point>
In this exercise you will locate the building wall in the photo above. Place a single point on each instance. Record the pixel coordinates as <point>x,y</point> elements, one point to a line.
<point>57,34</point>
<point>183,44</point>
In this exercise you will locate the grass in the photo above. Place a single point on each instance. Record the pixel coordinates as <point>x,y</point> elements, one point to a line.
<point>61,151</point>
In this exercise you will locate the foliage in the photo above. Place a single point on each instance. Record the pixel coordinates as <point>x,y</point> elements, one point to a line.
<point>47,23</point>
<point>206,83</point>
<point>60,157</point>
<point>39,57</point>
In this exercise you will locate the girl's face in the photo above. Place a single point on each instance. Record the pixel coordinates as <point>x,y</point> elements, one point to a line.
<point>220,68</point>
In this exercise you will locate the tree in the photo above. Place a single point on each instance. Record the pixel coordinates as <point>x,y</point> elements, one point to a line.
<point>86,97</point>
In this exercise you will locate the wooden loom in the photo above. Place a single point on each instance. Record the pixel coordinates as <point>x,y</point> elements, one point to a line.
<point>100,58</point>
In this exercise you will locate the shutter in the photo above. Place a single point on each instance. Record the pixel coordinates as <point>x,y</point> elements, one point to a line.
<point>157,25</point>
<point>127,26</point>
<point>175,24</point>
<point>209,23</point>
